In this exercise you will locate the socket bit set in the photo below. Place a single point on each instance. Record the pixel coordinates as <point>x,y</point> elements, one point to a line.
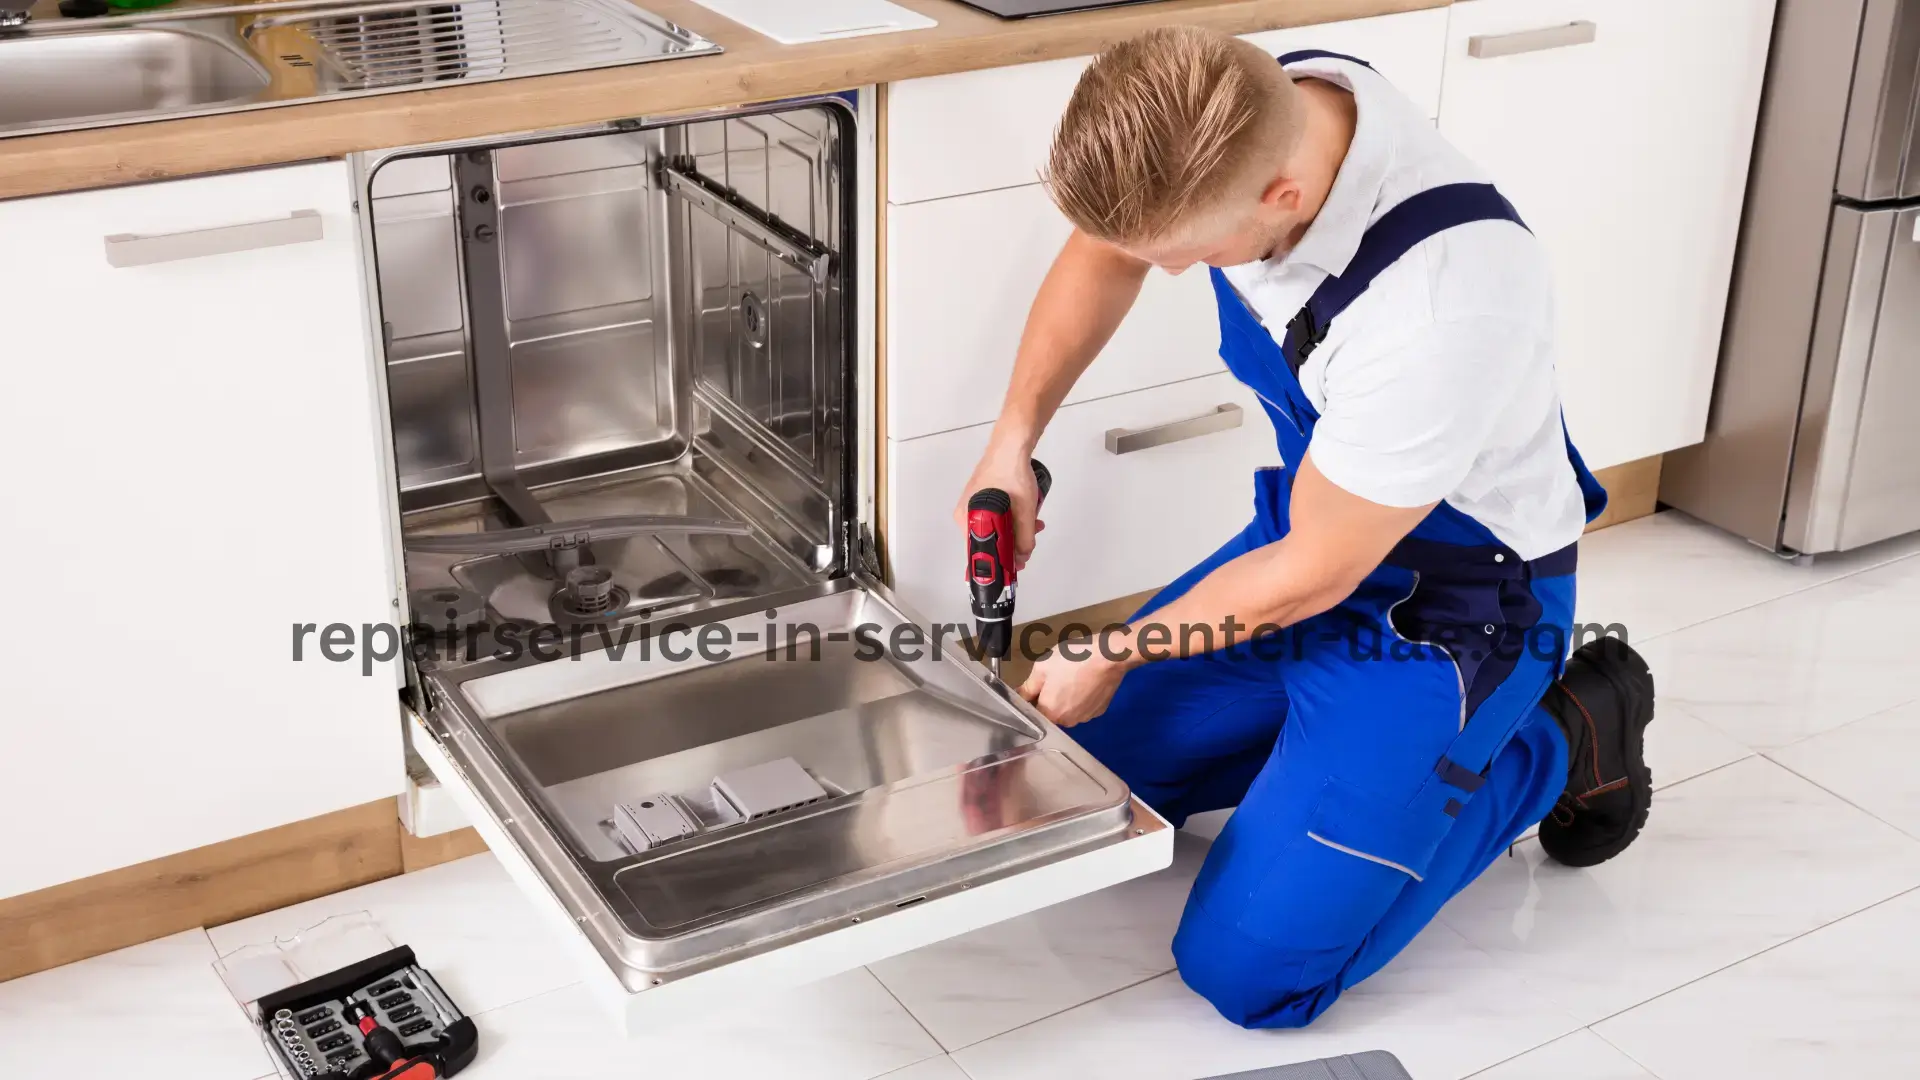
<point>321,1028</point>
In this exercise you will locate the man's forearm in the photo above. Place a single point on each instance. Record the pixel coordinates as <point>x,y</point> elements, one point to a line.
<point>1268,588</point>
<point>1086,294</point>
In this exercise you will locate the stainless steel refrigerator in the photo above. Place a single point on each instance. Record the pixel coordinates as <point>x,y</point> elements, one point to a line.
<point>1813,442</point>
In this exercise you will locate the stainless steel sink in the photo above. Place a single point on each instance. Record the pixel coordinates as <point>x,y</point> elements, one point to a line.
<point>45,79</point>
<point>184,61</point>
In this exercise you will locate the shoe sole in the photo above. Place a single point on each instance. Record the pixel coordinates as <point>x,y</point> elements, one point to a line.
<point>1640,783</point>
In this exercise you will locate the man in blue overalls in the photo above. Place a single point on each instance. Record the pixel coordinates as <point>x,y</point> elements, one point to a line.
<point>1403,708</point>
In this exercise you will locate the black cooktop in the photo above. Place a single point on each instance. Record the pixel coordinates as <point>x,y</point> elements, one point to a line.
<point>1021,9</point>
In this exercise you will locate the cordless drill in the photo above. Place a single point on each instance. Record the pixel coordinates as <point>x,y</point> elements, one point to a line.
<point>990,569</point>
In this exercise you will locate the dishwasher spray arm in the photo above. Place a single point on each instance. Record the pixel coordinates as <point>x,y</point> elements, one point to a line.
<point>565,542</point>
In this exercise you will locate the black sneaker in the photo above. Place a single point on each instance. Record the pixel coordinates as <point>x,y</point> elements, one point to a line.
<point>1604,703</point>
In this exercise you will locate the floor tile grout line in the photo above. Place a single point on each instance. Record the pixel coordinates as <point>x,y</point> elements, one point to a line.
<point>1790,769</point>
<point>1843,726</point>
<point>1751,754</point>
<point>1752,750</point>
<point>530,997</point>
<point>911,1015</point>
<point>1494,961</point>
<point>914,1064</point>
<point>1441,916</point>
<point>1767,752</point>
<point>962,1066</point>
<point>1057,1012</point>
<point>1781,596</point>
<point>1523,1053</point>
<point>1753,956</point>
<point>1644,1067</point>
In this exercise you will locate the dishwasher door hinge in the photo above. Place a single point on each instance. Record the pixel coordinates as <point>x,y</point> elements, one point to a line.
<point>867,551</point>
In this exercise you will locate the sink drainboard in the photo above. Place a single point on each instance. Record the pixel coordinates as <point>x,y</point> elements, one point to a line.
<point>398,44</point>
<point>68,74</point>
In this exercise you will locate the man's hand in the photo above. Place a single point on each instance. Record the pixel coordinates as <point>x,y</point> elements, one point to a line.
<point>1011,472</point>
<point>1070,692</point>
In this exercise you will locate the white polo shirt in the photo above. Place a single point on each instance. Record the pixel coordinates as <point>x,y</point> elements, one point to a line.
<point>1438,382</point>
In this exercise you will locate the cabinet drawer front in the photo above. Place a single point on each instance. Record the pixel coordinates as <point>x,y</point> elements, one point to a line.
<point>1117,523</point>
<point>980,130</point>
<point>961,275</point>
<point>1621,130</point>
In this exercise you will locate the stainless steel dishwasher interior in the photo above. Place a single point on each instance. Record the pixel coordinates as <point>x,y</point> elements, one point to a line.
<point>622,396</point>
<point>570,340</point>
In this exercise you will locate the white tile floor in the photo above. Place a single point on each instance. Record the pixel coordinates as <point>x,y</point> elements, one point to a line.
<point>1767,924</point>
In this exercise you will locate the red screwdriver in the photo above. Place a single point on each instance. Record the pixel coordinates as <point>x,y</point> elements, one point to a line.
<point>385,1048</point>
<point>990,566</point>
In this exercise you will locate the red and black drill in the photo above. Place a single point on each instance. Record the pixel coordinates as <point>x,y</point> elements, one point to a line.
<point>990,566</point>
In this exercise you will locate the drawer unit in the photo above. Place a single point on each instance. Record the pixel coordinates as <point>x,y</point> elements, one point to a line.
<point>652,665</point>
<point>961,274</point>
<point>1144,485</point>
<point>980,130</point>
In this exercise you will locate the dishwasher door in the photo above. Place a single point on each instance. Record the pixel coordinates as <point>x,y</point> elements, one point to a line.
<point>632,431</point>
<point>1856,464</point>
<point>948,804</point>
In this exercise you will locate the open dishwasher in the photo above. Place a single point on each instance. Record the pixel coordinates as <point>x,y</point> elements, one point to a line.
<point>651,655</point>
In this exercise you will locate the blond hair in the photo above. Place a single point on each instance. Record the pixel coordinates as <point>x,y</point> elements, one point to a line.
<point>1162,125</point>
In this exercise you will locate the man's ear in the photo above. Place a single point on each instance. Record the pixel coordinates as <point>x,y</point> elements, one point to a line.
<point>1283,195</point>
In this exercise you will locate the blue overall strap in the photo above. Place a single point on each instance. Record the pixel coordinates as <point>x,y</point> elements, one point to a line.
<point>1397,232</point>
<point>1299,55</point>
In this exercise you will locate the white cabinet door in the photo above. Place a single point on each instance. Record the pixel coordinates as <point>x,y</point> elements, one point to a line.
<point>1117,523</point>
<point>191,440</point>
<point>980,130</point>
<point>961,274</point>
<point>1627,154</point>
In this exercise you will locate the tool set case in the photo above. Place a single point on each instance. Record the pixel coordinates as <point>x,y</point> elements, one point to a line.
<point>312,1026</point>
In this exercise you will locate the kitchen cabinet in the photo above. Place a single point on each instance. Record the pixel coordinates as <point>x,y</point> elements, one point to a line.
<point>957,306</point>
<point>1621,130</point>
<point>190,427</point>
<point>1121,517</point>
<point>981,130</point>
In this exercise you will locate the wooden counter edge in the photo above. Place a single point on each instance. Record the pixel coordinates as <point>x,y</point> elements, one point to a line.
<point>752,69</point>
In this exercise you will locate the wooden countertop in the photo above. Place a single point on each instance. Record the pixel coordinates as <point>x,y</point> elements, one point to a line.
<point>753,68</point>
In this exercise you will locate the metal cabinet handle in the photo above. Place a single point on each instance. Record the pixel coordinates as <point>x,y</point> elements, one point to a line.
<point>1488,46</point>
<point>1219,418</point>
<point>299,227</point>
